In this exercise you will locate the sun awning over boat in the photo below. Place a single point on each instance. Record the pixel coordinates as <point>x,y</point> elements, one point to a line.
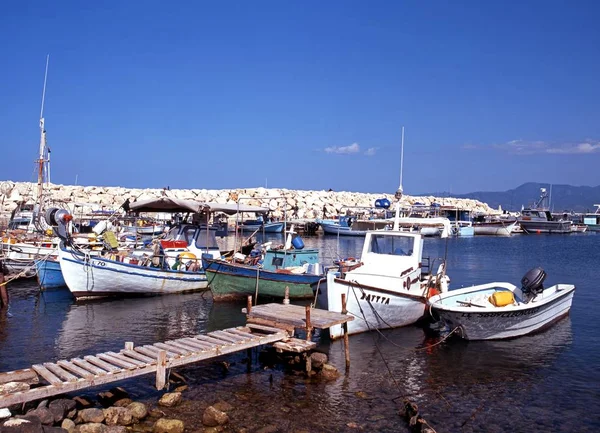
<point>167,204</point>
<point>233,208</point>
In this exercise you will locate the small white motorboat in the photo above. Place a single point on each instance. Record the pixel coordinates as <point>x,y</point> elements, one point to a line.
<point>502,310</point>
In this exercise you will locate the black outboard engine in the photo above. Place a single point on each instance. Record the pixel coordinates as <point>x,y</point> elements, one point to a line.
<point>532,282</point>
<point>59,219</point>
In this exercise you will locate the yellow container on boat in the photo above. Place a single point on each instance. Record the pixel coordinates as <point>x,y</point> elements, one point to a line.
<point>502,299</point>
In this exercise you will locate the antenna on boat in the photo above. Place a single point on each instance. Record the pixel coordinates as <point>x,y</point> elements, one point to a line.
<point>399,192</point>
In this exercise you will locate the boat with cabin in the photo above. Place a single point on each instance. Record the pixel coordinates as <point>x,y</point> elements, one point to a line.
<point>538,219</point>
<point>592,220</point>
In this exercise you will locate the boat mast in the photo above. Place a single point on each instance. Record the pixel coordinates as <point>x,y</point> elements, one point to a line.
<point>398,194</point>
<point>43,148</point>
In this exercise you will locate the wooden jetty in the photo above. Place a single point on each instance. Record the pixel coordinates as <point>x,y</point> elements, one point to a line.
<point>266,324</point>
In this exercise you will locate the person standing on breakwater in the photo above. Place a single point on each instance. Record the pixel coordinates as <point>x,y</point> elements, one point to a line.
<point>324,212</point>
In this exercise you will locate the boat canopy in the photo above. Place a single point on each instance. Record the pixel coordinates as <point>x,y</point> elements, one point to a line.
<point>169,204</point>
<point>233,208</point>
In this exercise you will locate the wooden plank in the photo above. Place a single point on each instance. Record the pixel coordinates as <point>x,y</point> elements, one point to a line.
<point>100,363</point>
<point>75,369</point>
<point>139,356</point>
<point>222,335</point>
<point>89,367</point>
<point>26,375</point>
<point>115,361</point>
<point>247,334</point>
<point>65,375</point>
<point>161,370</point>
<point>152,351</point>
<point>46,374</point>
<point>126,359</point>
<point>201,344</point>
<point>223,350</point>
<point>269,329</point>
<point>43,392</point>
<point>183,345</point>
<point>273,324</point>
<point>296,315</point>
<point>172,348</point>
<point>212,340</point>
<point>295,345</point>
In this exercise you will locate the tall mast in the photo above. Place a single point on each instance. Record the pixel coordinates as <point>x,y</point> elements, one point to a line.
<point>398,194</point>
<point>42,153</point>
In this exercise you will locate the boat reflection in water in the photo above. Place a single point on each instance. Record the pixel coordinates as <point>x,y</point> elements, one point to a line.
<point>102,325</point>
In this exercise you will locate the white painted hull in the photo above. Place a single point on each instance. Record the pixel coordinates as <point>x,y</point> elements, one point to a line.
<point>486,322</point>
<point>96,277</point>
<point>372,307</point>
<point>494,229</point>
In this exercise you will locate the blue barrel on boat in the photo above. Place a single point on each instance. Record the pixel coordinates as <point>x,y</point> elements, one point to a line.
<point>382,203</point>
<point>297,242</point>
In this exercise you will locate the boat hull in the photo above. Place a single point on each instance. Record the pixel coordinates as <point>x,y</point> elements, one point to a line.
<point>336,229</point>
<point>493,229</point>
<point>275,227</point>
<point>234,281</point>
<point>372,307</point>
<point>505,322</point>
<point>49,274</point>
<point>89,277</point>
<point>532,226</point>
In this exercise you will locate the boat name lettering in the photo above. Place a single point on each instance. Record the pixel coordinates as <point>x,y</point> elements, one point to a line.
<point>375,298</point>
<point>507,314</point>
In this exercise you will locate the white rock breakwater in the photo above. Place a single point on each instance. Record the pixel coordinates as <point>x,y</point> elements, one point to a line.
<point>309,204</point>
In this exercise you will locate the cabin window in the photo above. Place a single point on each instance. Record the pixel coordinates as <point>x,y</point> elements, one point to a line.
<point>206,239</point>
<point>391,245</point>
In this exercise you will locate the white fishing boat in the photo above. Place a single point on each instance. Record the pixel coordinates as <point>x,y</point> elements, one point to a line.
<point>495,228</point>
<point>389,286</point>
<point>502,310</point>
<point>88,276</point>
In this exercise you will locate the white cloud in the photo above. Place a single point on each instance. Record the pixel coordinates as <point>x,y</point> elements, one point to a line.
<point>525,147</point>
<point>371,151</point>
<point>343,150</point>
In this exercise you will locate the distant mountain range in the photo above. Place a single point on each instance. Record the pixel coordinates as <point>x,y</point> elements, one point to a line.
<point>563,197</point>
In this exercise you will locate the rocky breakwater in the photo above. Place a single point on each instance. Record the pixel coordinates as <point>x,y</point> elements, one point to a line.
<point>293,203</point>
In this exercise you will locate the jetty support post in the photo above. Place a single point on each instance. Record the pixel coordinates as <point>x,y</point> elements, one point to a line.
<point>3,291</point>
<point>129,345</point>
<point>249,305</point>
<point>161,369</point>
<point>286,297</point>
<point>309,327</point>
<point>345,329</point>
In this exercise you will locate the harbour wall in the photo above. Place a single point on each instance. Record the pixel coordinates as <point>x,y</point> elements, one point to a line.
<point>298,203</point>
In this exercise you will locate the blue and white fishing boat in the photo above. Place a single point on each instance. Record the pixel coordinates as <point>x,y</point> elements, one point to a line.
<point>49,274</point>
<point>94,276</point>
<point>502,310</point>
<point>260,226</point>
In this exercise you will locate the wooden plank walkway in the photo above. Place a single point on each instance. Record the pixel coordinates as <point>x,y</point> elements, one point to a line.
<point>79,373</point>
<point>267,324</point>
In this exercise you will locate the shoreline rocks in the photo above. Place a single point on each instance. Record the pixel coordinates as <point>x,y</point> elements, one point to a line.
<point>297,203</point>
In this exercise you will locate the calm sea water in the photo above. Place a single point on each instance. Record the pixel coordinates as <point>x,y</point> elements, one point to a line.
<point>545,382</point>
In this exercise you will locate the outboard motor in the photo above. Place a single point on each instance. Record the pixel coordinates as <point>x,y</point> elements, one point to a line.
<point>59,219</point>
<point>532,282</point>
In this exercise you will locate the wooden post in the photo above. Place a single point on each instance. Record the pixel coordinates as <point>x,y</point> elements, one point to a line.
<point>129,345</point>
<point>249,305</point>
<point>308,324</point>
<point>161,369</point>
<point>308,362</point>
<point>345,328</point>
<point>286,298</point>
<point>3,291</point>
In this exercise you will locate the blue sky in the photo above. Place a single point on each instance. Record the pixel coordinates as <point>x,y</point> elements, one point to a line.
<point>304,94</point>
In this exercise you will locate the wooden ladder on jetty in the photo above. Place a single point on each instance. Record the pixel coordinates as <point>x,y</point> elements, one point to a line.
<point>92,370</point>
